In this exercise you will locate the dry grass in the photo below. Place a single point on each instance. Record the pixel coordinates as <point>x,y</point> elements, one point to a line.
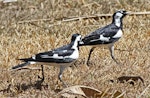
<point>25,39</point>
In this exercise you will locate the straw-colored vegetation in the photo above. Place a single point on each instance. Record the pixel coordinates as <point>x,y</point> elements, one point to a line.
<point>28,27</point>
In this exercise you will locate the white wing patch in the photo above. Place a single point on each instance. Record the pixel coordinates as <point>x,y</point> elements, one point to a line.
<point>102,38</point>
<point>33,57</point>
<point>64,51</point>
<point>32,62</point>
<point>55,56</point>
<point>118,34</point>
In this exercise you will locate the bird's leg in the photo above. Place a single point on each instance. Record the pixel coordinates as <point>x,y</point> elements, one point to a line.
<point>60,75</point>
<point>111,49</point>
<point>42,73</point>
<point>92,49</point>
<point>38,83</point>
<point>42,79</point>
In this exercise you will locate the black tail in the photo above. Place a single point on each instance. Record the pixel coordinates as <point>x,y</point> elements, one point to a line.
<point>20,65</point>
<point>26,59</point>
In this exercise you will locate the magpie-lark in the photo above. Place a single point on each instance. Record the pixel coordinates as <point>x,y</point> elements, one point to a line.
<point>107,35</point>
<point>61,57</point>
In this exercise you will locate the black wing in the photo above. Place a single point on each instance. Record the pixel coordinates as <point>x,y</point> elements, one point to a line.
<point>107,32</point>
<point>60,53</point>
<point>55,56</point>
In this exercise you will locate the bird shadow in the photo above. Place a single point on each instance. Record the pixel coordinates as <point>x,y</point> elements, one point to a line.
<point>130,79</point>
<point>37,85</point>
<point>21,87</point>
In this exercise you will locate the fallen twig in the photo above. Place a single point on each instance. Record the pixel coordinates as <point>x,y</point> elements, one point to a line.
<point>86,17</point>
<point>139,13</point>
<point>140,96</point>
<point>8,1</point>
<point>83,17</point>
<point>76,19</point>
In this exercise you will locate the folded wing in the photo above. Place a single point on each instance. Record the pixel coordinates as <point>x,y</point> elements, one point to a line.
<point>103,35</point>
<point>61,56</point>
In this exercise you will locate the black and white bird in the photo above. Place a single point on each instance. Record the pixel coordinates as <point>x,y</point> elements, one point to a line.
<point>107,35</point>
<point>61,57</point>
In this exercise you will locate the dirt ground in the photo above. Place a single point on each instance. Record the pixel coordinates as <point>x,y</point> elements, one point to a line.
<point>28,27</point>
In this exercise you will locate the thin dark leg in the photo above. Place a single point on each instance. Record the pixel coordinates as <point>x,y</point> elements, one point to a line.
<point>92,49</point>
<point>60,75</point>
<point>111,49</point>
<point>42,73</point>
<point>42,79</point>
<point>38,83</point>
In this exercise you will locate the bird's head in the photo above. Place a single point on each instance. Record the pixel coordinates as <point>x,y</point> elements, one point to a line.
<point>120,14</point>
<point>76,37</point>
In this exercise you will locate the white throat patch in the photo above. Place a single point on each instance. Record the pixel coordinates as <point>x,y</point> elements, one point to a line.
<point>118,17</point>
<point>117,22</point>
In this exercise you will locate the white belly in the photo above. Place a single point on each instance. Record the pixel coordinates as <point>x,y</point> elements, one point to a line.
<point>52,64</point>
